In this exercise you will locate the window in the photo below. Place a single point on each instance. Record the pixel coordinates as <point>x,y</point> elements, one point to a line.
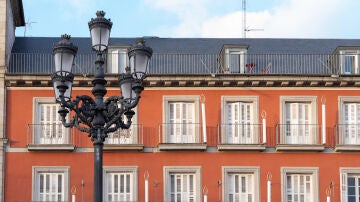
<point>47,127</point>
<point>117,60</point>
<point>300,184</point>
<point>350,184</point>
<point>50,183</point>
<point>181,119</point>
<point>239,117</point>
<point>182,184</point>
<point>299,118</point>
<point>349,119</point>
<point>120,184</point>
<point>233,59</point>
<point>241,184</point>
<point>349,61</point>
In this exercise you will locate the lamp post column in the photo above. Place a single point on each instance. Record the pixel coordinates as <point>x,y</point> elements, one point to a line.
<point>98,136</point>
<point>98,171</point>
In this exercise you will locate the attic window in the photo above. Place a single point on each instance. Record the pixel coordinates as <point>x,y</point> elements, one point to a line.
<point>233,59</point>
<point>349,61</point>
<point>117,59</point>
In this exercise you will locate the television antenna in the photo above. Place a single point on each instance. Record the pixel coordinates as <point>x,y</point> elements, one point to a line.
<point>244,27</point>
<point>28,24</point>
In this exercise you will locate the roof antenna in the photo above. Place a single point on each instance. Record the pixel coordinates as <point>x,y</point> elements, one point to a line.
<point>244,18</point>
<point>244,27</point>
<point>28,24</point>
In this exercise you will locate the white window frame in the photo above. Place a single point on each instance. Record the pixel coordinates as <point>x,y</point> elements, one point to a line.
<point>313,171</point>
<point>168,170</point>
<point>242,170</point>
<point>344,173</point>
<point>133,170</point>
<point>241,53</point>
<point>312,100</point>
<point>254,101</point>
<point>166,119</point>
<point>126,136</point>
<point>37,134</point>
<point>355,66</point>
<point>36,170</point>
<point>113,66</point>
<point>342,100</point>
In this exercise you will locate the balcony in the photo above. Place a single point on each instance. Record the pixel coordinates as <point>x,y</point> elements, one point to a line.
<point>247,137</point>
<point>185,64</point>
<point>347,137</point>
<point>180,136</point>
<point>298,137</point>
<point>54,137</point>
<point>126,139</point>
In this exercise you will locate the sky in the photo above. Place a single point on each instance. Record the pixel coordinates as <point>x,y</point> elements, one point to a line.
<point>196,18</point>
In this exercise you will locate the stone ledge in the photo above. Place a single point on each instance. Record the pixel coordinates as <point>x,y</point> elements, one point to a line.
<point>182,146</point>
<point>300,147</point>
<point>51,147</point>
<point>123,147</point>
<point>241,147</point>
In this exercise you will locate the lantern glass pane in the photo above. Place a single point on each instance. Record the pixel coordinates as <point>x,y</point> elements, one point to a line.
<point>64,61</point>
<point>139,64</point>
<point>100,38</point>
<point>126,90</point>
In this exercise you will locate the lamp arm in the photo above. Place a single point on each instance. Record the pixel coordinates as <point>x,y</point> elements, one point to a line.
<point>115,118</point>
<point>84,107</point>
<point>79,127</point>
<point>133,104</point>
<point>67,124</point>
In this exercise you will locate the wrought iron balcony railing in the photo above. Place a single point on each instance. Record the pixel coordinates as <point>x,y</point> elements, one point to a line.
<point>239,134</point>
<point>133,135</point>
<point>180,133</point>
<point>298,134</point>
<point>47,134</point>
<point>305,64</point>
<point>347,134</point>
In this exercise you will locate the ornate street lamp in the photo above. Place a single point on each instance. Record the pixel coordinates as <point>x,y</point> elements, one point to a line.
<point>95,115</point>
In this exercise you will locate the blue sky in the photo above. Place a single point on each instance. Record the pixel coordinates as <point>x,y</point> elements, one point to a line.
<point>196,18</point>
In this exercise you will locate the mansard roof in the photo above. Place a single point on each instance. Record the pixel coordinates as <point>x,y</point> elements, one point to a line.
<point>197,45</point>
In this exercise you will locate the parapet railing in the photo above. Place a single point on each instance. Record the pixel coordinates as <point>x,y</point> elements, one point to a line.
<point>304,64</point>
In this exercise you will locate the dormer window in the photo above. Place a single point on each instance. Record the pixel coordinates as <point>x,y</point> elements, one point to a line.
<point>233,59</point>
<point>349,61</point>
<point>117,59</point>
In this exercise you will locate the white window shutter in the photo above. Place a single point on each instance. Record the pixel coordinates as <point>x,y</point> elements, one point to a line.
<point>181,122</point>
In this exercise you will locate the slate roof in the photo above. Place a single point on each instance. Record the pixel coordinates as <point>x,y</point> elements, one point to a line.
<point>195,45</point>
<point>211,46</point>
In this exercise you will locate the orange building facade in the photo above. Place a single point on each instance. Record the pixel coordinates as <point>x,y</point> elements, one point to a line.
<point>263,133</point>
<point>245,120</point>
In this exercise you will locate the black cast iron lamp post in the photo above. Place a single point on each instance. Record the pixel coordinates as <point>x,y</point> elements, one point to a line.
<point>95,115</point>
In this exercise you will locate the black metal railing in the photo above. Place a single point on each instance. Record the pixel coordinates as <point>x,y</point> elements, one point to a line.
<point>239,133</point>
<point>307,64</point>
<point>180,133</point>
<point>54,133</point>
<point>298,134</point>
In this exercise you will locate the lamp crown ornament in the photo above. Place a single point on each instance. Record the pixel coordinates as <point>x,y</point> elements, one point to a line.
<point>140,46</point>
<point>100,18</point>
<point>65,45</point>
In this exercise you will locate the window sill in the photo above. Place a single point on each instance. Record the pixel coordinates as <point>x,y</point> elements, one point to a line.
<point>182,146</point>
<point>120,147</point>
<point>347,148</point>
<point>241,147</point>
<point>51,147</point>
<point>300,147</point>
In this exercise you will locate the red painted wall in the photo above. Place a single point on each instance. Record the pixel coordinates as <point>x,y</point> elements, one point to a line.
<point>19,162</point>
